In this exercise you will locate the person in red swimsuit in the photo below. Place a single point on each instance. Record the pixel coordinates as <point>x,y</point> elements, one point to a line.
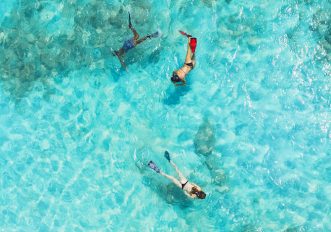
<point>178,76</point>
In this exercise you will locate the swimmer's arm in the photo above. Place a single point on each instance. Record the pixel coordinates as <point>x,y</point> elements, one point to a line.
<point>173,179</point>
<point>193,60</point>
<point>195,185</point>
<point>135,33</point>
<point>121,60</point>
<point>189,55</point>
<point>189,195</point>
<point>181,84</point>
<point>123,63</point>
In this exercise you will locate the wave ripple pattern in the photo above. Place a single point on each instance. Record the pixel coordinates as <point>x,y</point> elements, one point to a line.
<point>251,127</point>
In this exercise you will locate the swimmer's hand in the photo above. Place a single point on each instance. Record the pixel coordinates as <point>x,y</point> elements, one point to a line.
<point>181,84</point>
<point>189,195</point>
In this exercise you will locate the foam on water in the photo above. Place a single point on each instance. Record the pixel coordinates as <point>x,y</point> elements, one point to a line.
<point>76,131</point>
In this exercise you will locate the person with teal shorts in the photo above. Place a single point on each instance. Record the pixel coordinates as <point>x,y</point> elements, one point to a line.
<point>131,43</point>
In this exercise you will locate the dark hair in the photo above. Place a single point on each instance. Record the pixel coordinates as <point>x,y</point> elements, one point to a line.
<point>175,78</point>
<point>198,193</point>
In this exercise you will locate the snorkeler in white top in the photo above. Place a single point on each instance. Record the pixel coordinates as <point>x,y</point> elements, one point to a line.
<point>190,189</point>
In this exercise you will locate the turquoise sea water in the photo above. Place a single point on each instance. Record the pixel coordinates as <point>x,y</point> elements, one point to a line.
<point>76,131</point>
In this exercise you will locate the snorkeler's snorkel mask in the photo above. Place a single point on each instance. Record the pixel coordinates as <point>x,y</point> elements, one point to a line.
<point>175,78</point>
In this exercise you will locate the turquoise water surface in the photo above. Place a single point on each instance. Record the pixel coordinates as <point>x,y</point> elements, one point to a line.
<point>76,131</point>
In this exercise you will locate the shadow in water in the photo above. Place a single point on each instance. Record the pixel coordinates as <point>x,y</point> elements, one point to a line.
<point>173,94</point>
<point>204,141</point>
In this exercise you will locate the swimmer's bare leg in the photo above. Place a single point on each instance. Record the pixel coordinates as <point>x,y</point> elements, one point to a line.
<point>122,63</point>
<point>181,176</point>
<point>142,39</point>
<point>119,52</point>
<point>183,83</point>
<point>189,54</point>
<point>135,33</point>
<point>173,179</point>
<point>153,35</point>
<point>119,55</point>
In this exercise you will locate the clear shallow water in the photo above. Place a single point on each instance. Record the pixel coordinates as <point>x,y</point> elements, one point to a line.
<point>76,131</point>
